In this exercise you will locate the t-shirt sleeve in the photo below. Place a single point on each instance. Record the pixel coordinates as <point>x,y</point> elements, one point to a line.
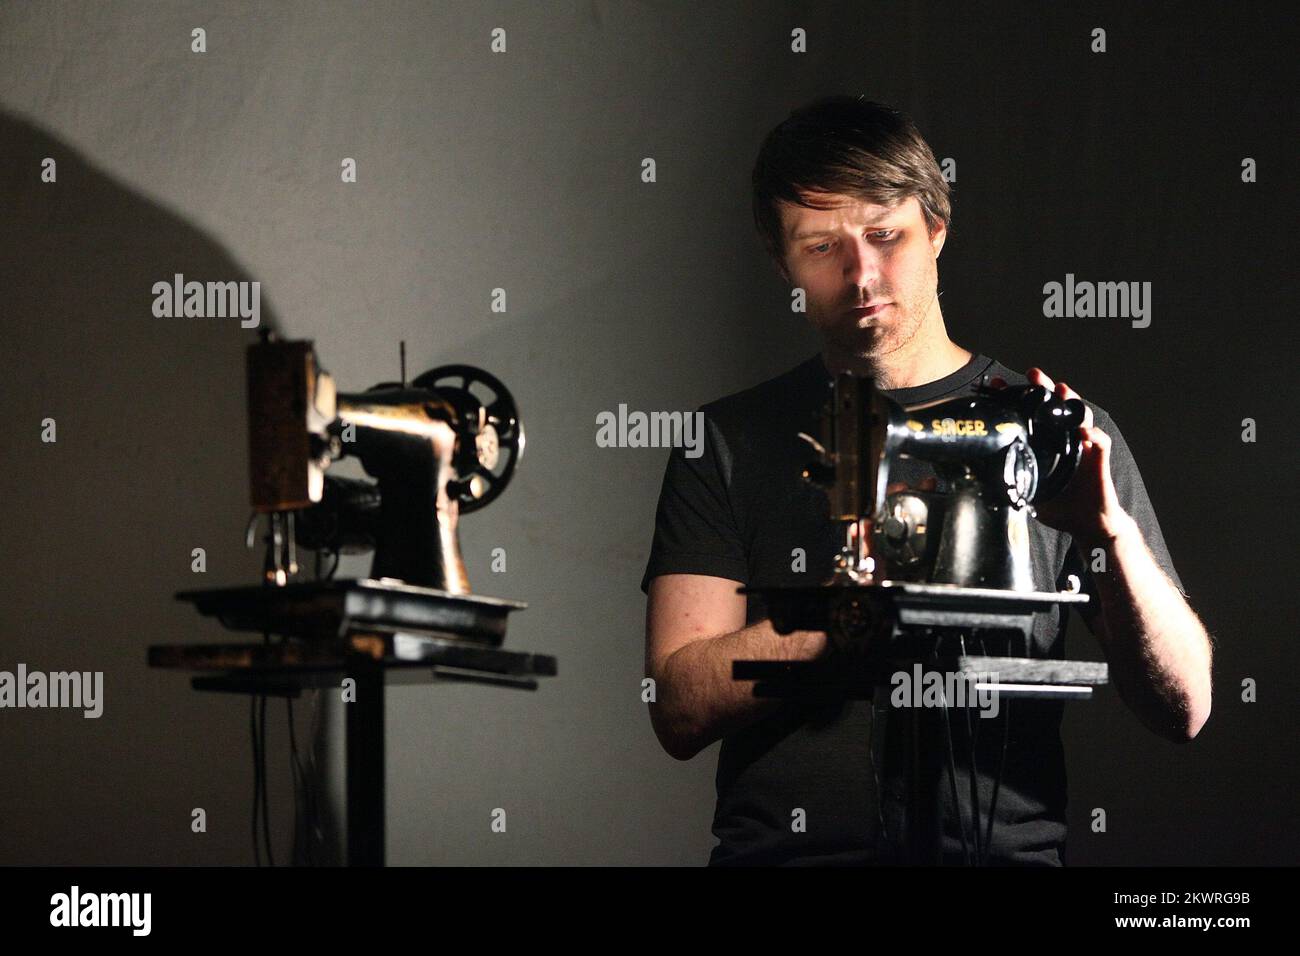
<point>1133,498</point>
<point>696,531</point>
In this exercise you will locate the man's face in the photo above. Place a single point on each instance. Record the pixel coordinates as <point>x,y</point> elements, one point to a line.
<point>861,254</point>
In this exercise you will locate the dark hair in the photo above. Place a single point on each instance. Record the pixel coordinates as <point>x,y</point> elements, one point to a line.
<point>850,146</point>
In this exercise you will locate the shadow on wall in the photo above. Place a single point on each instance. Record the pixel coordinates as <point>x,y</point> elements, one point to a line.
<point>149,463</point>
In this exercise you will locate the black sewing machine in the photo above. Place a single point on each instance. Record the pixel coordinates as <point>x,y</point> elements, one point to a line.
<point>921,573</point>
<point>914,558</point>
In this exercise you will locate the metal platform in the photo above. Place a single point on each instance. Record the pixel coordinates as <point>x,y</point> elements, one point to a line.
<point>874,630</point>
<point>373,632</point>
<point>838,678</point>
<point>331,609</point>
<point>819,608</point>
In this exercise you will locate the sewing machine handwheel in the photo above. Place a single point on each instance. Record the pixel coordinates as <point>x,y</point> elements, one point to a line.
<point>1062,431</point>
<point>502,415</point>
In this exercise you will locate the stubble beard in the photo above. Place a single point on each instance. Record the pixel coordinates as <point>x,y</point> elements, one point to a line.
<point>874,342</point>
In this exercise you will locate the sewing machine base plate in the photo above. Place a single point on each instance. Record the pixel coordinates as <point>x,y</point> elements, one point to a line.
<point>850,607</point>
<point>331,610</point>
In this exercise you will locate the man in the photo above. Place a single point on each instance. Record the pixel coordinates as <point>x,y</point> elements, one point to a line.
<point>854,210</point>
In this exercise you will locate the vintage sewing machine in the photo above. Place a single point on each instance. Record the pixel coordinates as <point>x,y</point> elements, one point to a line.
<point>935,579</point>
<point>440,447</point>
<point>1000,451</point>
<point>914,558</point>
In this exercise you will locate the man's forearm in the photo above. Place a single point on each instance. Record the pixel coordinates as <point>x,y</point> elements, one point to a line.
<point>1158,650</point>
<point>698,701</point>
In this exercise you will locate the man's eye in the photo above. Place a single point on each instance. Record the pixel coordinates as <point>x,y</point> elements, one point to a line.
<point>883,235</point>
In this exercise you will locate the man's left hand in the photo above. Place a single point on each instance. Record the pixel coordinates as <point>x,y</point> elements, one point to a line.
<point>1088,508</point>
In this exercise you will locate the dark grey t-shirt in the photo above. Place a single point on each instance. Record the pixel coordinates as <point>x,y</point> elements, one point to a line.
<point>738,511</point>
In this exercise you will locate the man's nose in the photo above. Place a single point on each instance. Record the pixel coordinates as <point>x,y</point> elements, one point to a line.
<point>861,263</point>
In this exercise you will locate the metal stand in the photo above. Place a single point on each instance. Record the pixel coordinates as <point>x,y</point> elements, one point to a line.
<point>879,629</point>
<point>372,632</point>
<point>365,766</point>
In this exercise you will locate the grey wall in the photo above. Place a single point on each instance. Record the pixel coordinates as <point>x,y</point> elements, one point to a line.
<point>522,171</point>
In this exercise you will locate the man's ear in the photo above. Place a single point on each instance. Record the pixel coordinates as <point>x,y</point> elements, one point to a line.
<point>938,237</point>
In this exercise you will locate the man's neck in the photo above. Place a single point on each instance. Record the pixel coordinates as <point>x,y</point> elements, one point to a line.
<point>925,359</point>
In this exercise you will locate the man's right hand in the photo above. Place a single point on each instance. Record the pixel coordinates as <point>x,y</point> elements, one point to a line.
<point>695,629</point>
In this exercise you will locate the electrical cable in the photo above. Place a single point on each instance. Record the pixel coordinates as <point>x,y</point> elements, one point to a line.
<point>952,764</point>
<point>266,812</point>
<point>1002,764</point>
<point>875,774</point>
<point>974,770</point>
<point>295,770</point>
<point>257,783</point>
<point>315,832</point>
